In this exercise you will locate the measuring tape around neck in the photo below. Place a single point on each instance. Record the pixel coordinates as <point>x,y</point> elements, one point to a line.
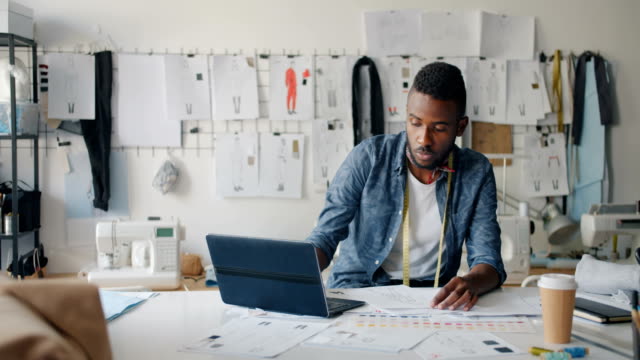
<point>406,275</point>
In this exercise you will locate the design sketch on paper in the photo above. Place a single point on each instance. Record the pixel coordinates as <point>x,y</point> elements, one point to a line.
<point>71,86</point>
<point>332,141</point>
<point>281,165</point>
<point>187,87</point>
<point>291,88</point>
<point>455,344</point>
<point>234,87</point>
<point>333,76</point>
<point>396,78</point>
<point>486,90</point>
<point>545,170</point>
<point>526,93</point>
<point>395,32</point>
<point>451,33</point>
<point>237,165</point>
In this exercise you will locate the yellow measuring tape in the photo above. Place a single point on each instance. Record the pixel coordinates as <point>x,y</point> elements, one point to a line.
<point>406,276</point>
<point>557,89</point>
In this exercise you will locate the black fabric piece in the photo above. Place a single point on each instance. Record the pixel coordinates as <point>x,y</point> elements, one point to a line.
<point>97,133</point>
<point>377,107</point>
<point>604,93</point>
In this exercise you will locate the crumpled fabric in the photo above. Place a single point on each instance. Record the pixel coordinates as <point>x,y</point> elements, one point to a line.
<point>166,177</point>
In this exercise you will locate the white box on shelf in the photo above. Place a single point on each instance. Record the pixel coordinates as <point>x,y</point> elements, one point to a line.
<point>16,19</point>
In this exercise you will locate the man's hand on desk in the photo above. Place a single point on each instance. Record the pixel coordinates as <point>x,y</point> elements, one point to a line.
<point>464,291</point>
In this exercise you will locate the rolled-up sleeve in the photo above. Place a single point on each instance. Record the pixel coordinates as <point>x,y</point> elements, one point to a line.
<point>342,201</point>
<point>483,242</point>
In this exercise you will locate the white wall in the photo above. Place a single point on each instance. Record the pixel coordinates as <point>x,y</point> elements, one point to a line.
<point>304,26</point>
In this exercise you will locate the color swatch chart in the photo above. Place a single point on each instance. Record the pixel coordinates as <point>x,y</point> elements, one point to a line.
<point>511,324</point>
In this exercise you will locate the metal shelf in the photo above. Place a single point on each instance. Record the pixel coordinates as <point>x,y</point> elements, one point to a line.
<point>19,137</point>
<point>10,237</point>
<point>11,42</point>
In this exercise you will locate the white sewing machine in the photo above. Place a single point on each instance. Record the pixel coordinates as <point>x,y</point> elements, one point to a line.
<point>137,253</point>
<point>606,220</point>
<point>516,252</point>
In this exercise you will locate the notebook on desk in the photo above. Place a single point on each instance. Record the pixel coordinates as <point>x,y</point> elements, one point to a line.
<point>600,312</point>
<point>273,275</point>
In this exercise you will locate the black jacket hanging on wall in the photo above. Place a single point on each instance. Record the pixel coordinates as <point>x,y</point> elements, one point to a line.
<point>97,133</point>
<point>377,107</point>
<point>603,86</point>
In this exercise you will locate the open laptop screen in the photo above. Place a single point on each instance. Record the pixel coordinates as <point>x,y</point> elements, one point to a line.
<point>273,275</point>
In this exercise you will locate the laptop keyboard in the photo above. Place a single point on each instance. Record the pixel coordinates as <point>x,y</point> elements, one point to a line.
<point>335,304</point>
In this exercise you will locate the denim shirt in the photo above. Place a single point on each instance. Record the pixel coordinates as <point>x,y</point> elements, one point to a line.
<point>364,205</point>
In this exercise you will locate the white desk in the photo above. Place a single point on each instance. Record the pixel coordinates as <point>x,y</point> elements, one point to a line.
<point>158,327</point>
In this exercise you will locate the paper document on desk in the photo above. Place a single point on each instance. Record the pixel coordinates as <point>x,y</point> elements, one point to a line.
<point>116,303</point>
<point>359,332</point>
<point>463,344</point>
<point>256,337</point>
<point>403,300</point>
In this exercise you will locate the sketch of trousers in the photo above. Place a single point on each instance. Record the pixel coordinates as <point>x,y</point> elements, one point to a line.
<point>236,104</point>
<point>282,164</point>
<point>236,165</point>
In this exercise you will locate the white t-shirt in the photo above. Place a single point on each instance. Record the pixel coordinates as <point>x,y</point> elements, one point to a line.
<point>424,234</point>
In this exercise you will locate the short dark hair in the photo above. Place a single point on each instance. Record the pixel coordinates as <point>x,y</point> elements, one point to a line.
<point>442,81</point>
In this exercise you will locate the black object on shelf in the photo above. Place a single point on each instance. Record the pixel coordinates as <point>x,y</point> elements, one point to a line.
<point>12,41</point>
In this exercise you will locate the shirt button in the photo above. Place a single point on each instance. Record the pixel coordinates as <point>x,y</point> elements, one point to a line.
<point>390,239</point>
<point>400,212</point>
<point>377,262</point>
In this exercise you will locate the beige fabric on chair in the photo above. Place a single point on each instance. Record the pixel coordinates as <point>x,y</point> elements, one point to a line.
<point>52,319</point>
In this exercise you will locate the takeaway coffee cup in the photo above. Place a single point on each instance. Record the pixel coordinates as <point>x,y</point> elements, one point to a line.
<point>558,296</point>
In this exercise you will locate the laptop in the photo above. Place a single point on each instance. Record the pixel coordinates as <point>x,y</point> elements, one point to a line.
<point>273,275</point>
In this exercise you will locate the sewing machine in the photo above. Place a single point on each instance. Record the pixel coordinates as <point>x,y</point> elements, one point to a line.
<point>137,253</point>
<point>605,221</point>
<point>516,252</point>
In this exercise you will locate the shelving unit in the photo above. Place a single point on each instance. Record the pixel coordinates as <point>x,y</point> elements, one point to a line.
<point>12,41</point>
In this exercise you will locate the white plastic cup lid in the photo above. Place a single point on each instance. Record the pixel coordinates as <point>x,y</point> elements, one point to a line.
<point>557,282</point>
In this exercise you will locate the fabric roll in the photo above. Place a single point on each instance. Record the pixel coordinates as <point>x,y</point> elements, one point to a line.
<point>603,277</point>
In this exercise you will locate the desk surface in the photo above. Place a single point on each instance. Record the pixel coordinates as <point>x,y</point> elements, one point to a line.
<point>157,328</point>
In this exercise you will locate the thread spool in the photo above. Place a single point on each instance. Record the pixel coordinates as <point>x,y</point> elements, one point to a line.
<point>555,356</point>
<point>577,351</point>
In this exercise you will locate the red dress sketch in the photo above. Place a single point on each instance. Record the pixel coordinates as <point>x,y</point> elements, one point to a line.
<point>290,83</point>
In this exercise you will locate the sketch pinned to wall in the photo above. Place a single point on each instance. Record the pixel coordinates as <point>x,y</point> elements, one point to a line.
<point>508,36</point>
<point>464,344</point>
<point>332,140</point>
<point>237,166</point>
<point>71,86</point>
<point>187,80</point>
<point>526,92</point>
<point>451,33</point>
<point>393,32</point>
<point>544,171</point>
<point>396,79</point>
<point>486,90</point>
<point>291,88</point>
<point>234,83</point>
<point>281,165</point>
<point>333,77</point>
<point>551,117</point>
<point>78,187</point>
<point>139,96</point>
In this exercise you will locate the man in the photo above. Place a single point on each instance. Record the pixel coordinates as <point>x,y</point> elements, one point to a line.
<point>365,204</point>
